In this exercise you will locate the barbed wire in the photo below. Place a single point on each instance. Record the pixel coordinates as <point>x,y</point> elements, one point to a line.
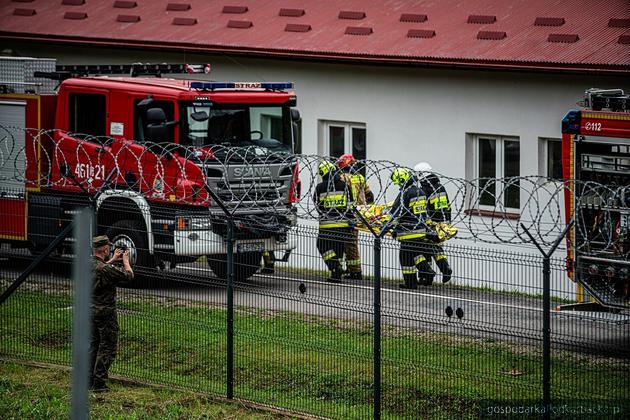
<point>266,181</point>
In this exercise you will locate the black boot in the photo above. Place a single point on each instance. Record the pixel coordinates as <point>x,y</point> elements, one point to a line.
<point>335,276</point>
<point>267,269</point>
<point>445,269</point>
<point>425,273</point>
<point>422,280</point>
<point>411,282</point>
<point>354,275</point>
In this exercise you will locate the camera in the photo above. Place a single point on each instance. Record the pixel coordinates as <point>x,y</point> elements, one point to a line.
<point>123,248</point>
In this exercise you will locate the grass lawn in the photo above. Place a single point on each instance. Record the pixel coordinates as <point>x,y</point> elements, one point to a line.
<point>311,364</point>
<point>44,393</point>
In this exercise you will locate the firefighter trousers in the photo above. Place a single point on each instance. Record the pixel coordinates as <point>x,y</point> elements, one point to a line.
<point>268,259</point>
<point>330,244</point>
<point>353,259</point>
<point>437,253</point>
<point>413,262</point>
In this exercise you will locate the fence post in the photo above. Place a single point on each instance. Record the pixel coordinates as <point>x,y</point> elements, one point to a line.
<point>230,308</point>
<point>547,333</point>
<point>81,325</point>
<point>546,314</point>
<point>377,327</point>
<point>229,260</point>
<point>376,351</point>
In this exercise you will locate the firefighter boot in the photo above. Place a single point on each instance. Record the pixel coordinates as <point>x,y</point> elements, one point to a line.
<point>411,282</point>
<point>335,275</point>
<point>354,275</point>
<point>336,270</point>
<point>267,269</point>
<point>268,262</point>
<point>445,269</point>
<point>425,274</point>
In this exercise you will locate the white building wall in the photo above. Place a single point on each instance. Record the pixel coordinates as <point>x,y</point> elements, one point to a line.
<point>411,113</point>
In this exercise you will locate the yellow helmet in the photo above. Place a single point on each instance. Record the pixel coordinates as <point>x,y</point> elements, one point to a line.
<point>400,176</point>
<point>325,168</point>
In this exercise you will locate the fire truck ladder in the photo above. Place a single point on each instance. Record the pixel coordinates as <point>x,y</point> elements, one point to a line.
<point>63,72</point>
<point>612,99</point>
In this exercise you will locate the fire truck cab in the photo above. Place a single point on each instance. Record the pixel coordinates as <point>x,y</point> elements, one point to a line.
<point>159,160</point>
<point>596,163</point>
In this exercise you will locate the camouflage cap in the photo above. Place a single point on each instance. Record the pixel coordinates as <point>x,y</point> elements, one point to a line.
<point>99,241</point>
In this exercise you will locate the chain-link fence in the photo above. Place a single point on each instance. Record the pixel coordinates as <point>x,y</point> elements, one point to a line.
<point>237,292</point>
<point>469,346</point>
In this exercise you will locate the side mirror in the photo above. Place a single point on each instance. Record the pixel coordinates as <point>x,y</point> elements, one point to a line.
<point>146,101</point>
<point>200,116</point>
<point>295,115</point>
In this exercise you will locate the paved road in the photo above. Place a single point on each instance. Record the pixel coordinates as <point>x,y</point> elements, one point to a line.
<point>485,314</point>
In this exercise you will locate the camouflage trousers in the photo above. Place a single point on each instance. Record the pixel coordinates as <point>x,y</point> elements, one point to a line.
<point>103,345</point>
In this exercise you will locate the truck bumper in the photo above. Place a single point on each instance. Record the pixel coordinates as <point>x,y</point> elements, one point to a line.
<point>206,242</point>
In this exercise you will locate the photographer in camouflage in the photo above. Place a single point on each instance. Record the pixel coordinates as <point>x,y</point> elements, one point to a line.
<point>106,277</point>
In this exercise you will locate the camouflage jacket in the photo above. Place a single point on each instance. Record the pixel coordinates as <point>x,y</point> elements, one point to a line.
<point>106,278</point>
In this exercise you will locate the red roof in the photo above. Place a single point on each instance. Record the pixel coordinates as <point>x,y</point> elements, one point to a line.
<point>580,35</point>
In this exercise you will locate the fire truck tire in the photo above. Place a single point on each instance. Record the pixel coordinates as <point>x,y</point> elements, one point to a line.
<point>132,234</point>
<point>246,264</point>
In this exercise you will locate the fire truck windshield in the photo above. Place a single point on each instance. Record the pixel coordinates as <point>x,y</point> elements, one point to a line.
<point>204,124</point>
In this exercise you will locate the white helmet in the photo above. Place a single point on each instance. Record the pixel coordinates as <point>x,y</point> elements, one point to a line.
<point>422,167</point>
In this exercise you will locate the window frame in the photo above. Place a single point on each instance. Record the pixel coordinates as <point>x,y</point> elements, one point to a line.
<point>500,185</point>
<point>137,117</point>
<point>348,138</point>
<point>92,138</point>
<point>543,158</point>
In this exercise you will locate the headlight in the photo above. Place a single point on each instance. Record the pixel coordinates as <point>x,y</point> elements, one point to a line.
<point>199,223</point>
<point>193,223</point>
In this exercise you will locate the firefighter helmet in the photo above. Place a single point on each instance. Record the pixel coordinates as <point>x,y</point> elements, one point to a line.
<point>422,167</point>
<point>325,168</point>
<point>345,161</point>
<point>400,176</point>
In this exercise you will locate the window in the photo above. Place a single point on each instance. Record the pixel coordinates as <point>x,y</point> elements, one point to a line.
<point>494,165</point>
<point>271,124</point>
<point>340,138</point>
<point>86,114</point>
<point>550,158</point>
<point>142,131</point>
<point>236,125</point>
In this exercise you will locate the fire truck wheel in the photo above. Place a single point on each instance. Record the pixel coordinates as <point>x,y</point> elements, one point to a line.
<point>246,264</point>
<point>132,235</point>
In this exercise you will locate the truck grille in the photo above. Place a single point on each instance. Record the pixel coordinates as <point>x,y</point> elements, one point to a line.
<point>239,185</point>
<point>258,192</point>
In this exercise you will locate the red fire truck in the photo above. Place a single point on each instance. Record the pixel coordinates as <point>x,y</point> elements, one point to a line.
<point>153,156</point>
<point>596,154</point>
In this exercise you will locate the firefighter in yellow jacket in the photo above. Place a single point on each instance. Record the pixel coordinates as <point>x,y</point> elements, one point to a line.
<point>360,194</point>
<point>438,211</point>
<point>332,203</point>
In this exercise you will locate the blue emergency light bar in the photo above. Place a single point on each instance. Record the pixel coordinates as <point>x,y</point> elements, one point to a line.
<point>241,85</point>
